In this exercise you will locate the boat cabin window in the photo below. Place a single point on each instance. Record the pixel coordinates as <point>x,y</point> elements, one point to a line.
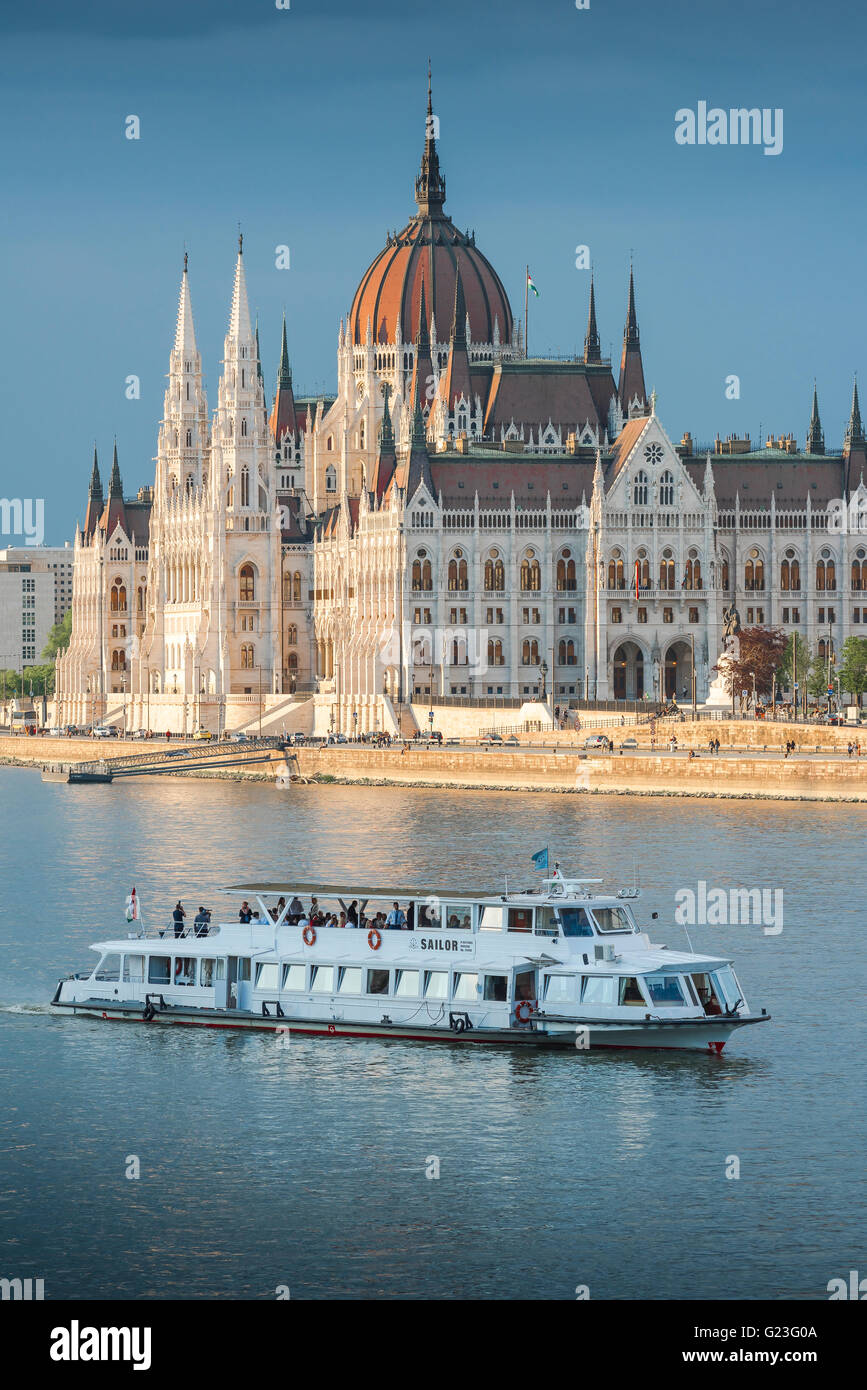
<point>630,991</point>
<point>108,969</point>
<point>436,984</point>
<point>708,996</point>
<point>266,975</point>
<point>185,970</point>
<point>322,980</point>
<point>406,984</point>
<point>575,922</point>
<point>520,919</point>
<point>377,982</point>
<point>491,919</point>
<point>525,985</point>
<point>429,915</point>
<point>546,922</point>
<point>561,989</point>
<point>133,969</point>
<point>612,919</point>
<point>599,989</point>
<point>294,976</point>
<point>496,988</point>
<point>457,918</point>
<point>665,989</point>
<point>206,972</point>
<point>466,986</point>
<point>243,968</point>
<point>221,968</point>
<point>159,970</point>
<point>725,979</point>
<point>350,980</point>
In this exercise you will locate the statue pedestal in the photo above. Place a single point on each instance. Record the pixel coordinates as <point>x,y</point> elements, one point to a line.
<point>717,695</point>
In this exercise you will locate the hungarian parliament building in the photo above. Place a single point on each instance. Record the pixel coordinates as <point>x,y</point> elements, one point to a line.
<point>459,523</point>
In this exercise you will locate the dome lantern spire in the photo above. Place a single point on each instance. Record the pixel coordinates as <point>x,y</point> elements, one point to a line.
<point>430,186</point>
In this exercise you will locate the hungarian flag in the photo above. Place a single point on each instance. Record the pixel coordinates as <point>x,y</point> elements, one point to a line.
<point>530,285</point>
<point>132,907</point>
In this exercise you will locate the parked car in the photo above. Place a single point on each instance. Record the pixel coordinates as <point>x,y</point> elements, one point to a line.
<point>239,737</point>
<point>513,740</point>
<point>105,731</point>
<point>596,741</point>
<point>629,743</point>
<point>203,734</point>
<point>492,738</point>
<point>139,733</point>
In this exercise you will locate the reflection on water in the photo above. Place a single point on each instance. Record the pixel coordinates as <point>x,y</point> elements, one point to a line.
<point>305,1164</point>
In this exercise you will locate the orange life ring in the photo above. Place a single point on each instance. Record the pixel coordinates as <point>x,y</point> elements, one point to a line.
<point>309,935</point>
<point>527,1004</point>
<point>374,939</point>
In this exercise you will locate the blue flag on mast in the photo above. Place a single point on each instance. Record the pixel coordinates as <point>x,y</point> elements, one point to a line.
<point>540,859</point>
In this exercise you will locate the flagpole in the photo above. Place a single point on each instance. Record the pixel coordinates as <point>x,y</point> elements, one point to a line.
<point>527,313</point>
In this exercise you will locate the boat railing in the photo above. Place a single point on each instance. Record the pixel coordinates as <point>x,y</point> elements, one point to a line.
<point>191,930</point>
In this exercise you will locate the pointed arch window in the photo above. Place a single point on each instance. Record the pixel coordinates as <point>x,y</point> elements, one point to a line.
<point>296,587</point>
<point>244,427</point>
<point>566,571</point>
<point>531,574</point>
<point>292,634</point>
<point>616,578</point>
<point>247,656</point>
<point>495,574</point>
<point>495,651</point>
<point>247,584</point>
<point>859,571</point>
<point>458,578</point>
<point>245,487</point>
<point>790,573</point>
<point>189,439</point>
<point>118,597</point>
<point>530,651</point>
<point>692,576</point>
<point>330,478</point>
<point>754,572</point>
<point>566,653</point>
<point>666,570</point>
<point>640,489</point>
<point>666,489</point>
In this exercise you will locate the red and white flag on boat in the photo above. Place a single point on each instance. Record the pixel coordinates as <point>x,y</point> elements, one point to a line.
<point>132,907</point>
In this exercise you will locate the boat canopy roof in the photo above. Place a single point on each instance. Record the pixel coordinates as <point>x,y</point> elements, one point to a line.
<point>340,890</point>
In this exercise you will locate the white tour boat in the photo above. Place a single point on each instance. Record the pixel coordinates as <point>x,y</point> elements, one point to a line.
<point>561,965</point>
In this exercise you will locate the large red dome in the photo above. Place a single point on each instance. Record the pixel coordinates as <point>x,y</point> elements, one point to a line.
<point>428,252</point>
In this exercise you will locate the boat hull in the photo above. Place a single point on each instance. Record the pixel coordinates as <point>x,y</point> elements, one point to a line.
<point>687,1035</point>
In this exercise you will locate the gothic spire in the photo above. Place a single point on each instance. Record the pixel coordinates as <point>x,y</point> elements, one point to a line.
<point>631,390</point>
<point>430,186</point>
<point>185,336</point>
<point>284,371</point>
<point>239,315</point>
<point>95,499</point>
<point>854,429</point>
<point>592,346</point>
<point>815,437</point>
<point>115,486</point>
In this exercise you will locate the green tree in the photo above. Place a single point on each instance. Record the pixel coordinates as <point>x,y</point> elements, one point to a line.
<point>853,666</point>
<point>817,681</point>
<point>786,668</point>
<point>10,684</point>
<point>39,679</point>
<point>58,637</point>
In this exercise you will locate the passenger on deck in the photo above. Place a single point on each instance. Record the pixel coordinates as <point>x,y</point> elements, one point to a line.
<point>352,913</point>
<point>281,903</point>
<point>410,917</point>
<point>396,918</point>
<point>341,921</point>
<point>296,909</point>
<point>201,922</point>
<point>178,918</point>
<point>245,913</point>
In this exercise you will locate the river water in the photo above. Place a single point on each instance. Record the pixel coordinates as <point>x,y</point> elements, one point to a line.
<point>305,1167</point>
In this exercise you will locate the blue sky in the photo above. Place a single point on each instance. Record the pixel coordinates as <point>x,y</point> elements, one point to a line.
<point>306,125</point>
